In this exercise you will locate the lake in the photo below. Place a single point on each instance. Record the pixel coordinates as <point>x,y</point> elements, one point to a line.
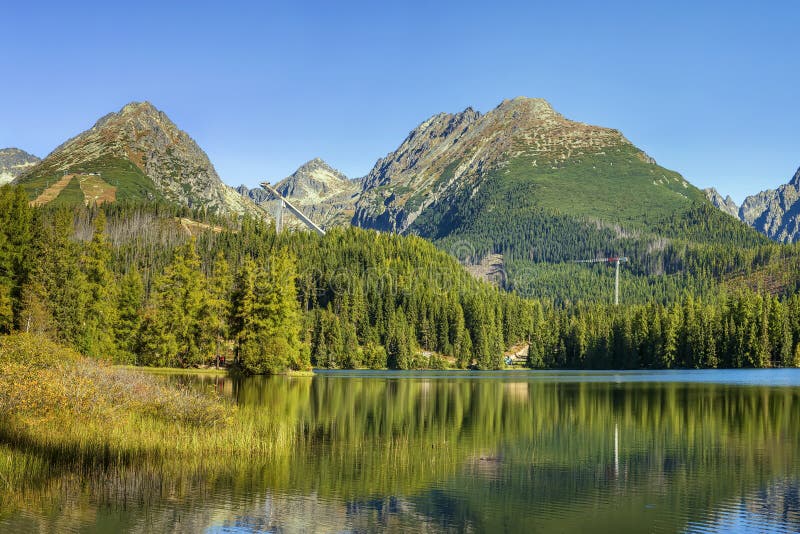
<point>538,451</point>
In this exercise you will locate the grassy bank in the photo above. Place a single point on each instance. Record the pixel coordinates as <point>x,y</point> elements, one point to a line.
<point>62,409</point>
<point>174,370</point>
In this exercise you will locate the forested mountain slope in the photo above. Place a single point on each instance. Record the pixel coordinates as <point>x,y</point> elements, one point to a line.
<point>531,192</point>
<point>532,151</point>
<point>540,191</point>
<point>122,282</point>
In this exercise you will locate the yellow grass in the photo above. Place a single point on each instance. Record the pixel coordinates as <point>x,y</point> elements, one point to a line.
<point>50,194</point>
<point>96,190</point>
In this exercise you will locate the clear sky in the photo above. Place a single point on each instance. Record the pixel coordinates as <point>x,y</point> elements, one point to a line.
<point>709,89</point>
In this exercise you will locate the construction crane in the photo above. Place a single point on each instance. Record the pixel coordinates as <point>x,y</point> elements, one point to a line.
<point>285,203</point>
<point>616,260</point>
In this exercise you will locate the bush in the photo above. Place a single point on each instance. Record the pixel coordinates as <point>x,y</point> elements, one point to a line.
<point>374,355</point>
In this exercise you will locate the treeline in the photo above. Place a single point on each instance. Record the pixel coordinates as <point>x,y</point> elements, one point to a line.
<point>744,329</point>
<point>273,302</point>
<point>128,283</point>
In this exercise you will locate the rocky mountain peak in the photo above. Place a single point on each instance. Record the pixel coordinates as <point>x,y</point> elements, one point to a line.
<point>773,212</point>
<point>318,167</point>
<point>14,162</point>
<point>535,107</point>
<point>422,145</point>
<point>795,181</point>
<point>139,113</point>
<point>141,135</point>
<point>450,152</point>
<point>138,107</point>
<point>314,162</point>
<point>725,204</point>
<point>313,179</point>
<point>324,194</point>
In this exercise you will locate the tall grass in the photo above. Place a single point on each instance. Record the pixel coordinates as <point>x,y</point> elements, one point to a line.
<point>61,410</point>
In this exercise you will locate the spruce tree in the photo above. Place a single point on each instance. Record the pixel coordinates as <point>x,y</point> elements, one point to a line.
<point>177,303</point>
<point>215,311</point>
<point>98,338</point>
<point>129,313</point>
<point>268,318</point>
<point>59,274</point>
<point>6,309</point>
<point>352,354</point>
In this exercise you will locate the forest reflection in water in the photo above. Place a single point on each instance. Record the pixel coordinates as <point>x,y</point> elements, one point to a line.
<point>532,452</point>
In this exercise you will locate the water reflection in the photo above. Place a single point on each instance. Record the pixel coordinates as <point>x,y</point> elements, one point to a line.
<point>446,452</point>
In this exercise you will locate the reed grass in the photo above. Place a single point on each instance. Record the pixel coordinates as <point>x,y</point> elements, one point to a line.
<point>60,409</point>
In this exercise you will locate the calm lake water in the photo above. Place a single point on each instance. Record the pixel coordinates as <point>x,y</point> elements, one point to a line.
<point>683,451</point>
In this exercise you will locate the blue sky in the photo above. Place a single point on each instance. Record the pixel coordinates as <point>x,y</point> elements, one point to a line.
<point>707,88</point>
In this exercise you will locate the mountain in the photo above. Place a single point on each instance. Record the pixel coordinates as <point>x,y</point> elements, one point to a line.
<point>14,162</point>
<point>521,192</point>
<point>726,204</point>
<point>773,212</point>
<point>524,181</point>
<point>525,152</point>
<point>324,194</point>
<point>136,153</point>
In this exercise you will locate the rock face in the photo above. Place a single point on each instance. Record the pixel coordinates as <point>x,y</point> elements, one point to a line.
<point>144,137</point>
<point>774,212</point>
<point>725,204</point>
<point>324,194</point>
<point>414,168</point>
<point>258,195</point>
<point>14,162</point>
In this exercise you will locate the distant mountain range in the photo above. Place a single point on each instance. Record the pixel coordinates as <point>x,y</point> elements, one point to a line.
<point>324,194</point>
<point>14,162</point>
<point>517,194</point>
<point>522,149</point>
<point>495,180</point>
<point>774,212</point>
<point>135,154</point>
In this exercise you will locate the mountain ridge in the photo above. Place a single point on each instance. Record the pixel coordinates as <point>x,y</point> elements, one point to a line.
<point>526,191</point>
<point>773,212</point>
<point>13,162</point>
<point>323,193</point>
<point>455,151</point>
<point>135,153</point>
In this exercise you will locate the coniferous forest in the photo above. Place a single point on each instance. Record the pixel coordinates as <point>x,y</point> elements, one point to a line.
<point>160,285</point>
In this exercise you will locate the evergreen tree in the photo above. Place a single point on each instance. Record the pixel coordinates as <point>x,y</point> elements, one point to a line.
<point>215,311</point>
<point>6,309</point>
<point>101,312</point>
<point>268,313</point>
<point>374,355</point>
<point>156,344</point>
<point>59,274</point>
<point>177,304</point>
<point>129,313</point>
<point>352,354</point>
<point>401,343</point>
